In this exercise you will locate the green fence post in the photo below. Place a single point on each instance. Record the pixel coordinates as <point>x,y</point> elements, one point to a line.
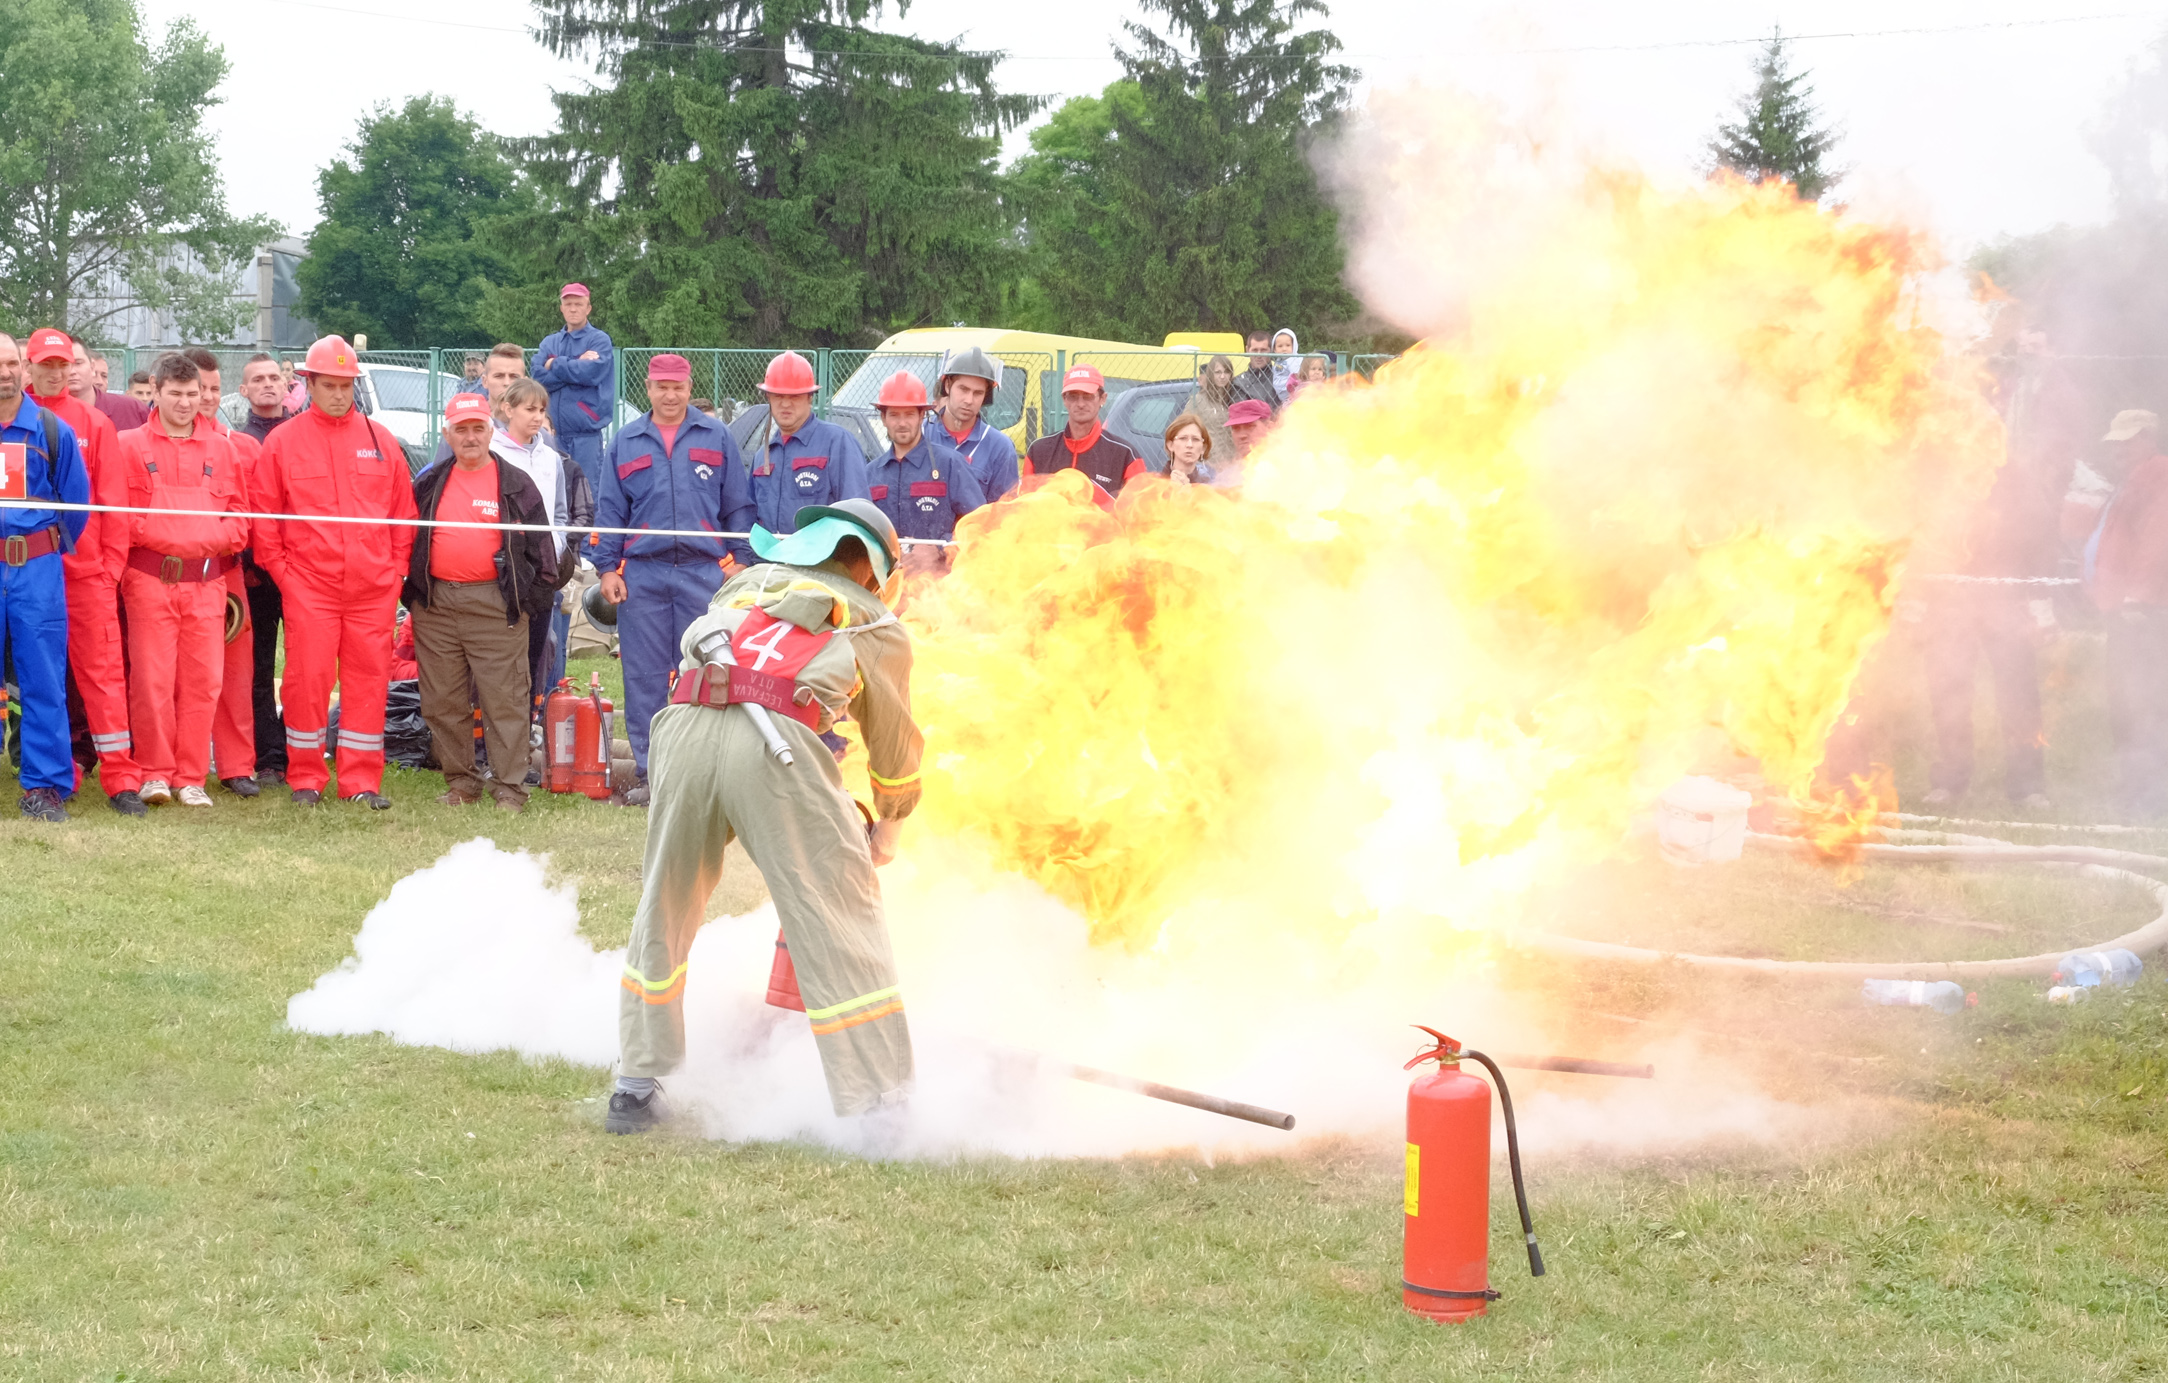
<point>617,394</point>
<point>822,378</point>
<point>436,405</point>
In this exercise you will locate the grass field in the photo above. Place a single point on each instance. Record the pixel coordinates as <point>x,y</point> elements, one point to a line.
<point>188,1190</point>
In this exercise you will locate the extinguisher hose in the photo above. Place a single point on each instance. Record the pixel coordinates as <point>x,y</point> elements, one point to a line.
<point>1513,1159</point>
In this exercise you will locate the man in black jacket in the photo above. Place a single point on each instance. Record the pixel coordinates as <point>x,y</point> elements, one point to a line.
<point>472,591</point>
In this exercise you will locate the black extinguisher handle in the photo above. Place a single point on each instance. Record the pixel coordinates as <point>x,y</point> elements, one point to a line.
<point>1513,1158</point>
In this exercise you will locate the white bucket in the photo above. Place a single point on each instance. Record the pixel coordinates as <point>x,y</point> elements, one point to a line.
<point>1702,821</point>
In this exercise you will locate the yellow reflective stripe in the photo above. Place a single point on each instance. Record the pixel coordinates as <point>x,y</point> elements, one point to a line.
<point>870,1015</point>
<point>656,985</point>
<point>892,782</point>
<point>860,1002</point>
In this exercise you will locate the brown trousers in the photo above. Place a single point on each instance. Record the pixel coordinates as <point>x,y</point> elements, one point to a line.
<point>465,650</point>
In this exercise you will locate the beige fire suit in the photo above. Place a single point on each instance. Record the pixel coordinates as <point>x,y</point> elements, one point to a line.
<point>712,779</point>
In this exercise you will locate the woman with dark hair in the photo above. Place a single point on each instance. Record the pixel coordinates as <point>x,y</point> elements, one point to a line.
<point>1209,401</point>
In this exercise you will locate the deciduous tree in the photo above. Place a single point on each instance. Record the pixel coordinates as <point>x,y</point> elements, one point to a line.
<point>414,233</point>
<point>109,187</point>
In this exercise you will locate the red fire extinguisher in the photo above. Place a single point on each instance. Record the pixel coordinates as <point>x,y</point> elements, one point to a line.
<point>1445,1270</point>
<point>591,741</point>
<point>559,733</point>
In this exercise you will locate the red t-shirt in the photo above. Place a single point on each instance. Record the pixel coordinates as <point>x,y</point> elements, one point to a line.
<point>467,554</point>
<point>669,437</point>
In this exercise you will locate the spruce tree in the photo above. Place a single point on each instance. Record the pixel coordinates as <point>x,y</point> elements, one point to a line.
<point>772,172</point>
<point>1779,133</point>
<point>1185,199</point>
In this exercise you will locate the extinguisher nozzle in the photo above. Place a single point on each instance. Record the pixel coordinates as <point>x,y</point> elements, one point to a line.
<point>1535,1258</point>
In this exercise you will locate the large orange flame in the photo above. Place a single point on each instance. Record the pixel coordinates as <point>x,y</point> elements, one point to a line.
<point>1643,513</point>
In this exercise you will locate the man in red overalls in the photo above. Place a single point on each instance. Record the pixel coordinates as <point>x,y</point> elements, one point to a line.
<point>93,575</point>
<point>174,583</point>
<point>233,729</point>
<point>339,581</point>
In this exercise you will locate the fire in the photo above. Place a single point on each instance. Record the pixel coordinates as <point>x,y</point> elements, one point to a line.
<point>1643,510</point>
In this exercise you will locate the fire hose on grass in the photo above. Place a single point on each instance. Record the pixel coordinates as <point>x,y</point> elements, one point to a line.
<point>2092,861</point>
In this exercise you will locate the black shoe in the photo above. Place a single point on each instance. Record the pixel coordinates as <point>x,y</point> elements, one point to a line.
<point>636,795</point>
<point>270,775</point>
<point>374,801</point>
<point>533,778</point>
<point>631,1113</point>
<point>43,804</point>
<point>240,787</point>
<point>128,803</point>
<point>307,797</point>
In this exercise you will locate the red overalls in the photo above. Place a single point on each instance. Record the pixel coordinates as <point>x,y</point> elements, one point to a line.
<point>233,730</point>
<point>93,590</point>
<point>340,584</point>
<point>174,586</point>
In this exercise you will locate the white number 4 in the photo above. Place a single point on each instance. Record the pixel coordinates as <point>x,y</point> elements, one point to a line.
<point>773,634</point>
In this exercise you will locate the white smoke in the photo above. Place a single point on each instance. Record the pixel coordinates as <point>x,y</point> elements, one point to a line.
<point>479,953</point>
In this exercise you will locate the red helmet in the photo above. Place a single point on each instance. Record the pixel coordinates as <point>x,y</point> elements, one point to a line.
<point>902,390</point>
<point>790,373</point>
<point>332,358</point>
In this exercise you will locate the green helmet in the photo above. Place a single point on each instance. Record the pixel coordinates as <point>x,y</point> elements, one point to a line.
<point>822,526</point>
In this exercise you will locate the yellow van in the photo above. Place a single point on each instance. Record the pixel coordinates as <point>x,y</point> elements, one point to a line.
<point>1027,406</point>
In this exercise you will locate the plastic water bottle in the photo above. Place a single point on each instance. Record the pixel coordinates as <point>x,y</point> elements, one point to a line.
<point>2090,969</point>
<point>1943,996</point>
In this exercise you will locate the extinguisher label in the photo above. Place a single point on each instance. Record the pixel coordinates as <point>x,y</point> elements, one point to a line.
<point>563,752</point>
<point>1415,1177</point>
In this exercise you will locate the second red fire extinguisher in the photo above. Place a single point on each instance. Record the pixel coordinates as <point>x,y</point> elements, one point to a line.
<point>1445,1273</point>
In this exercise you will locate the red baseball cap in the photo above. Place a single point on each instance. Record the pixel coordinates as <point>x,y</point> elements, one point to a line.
<point>668,366</point>
<point>461,408</point>
<point>49,343</point>
<point>1083,379</point>
<point>1248,411</point>
<point>574,290</point>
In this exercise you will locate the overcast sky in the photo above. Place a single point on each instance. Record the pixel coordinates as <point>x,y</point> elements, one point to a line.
<point>1977,130</point>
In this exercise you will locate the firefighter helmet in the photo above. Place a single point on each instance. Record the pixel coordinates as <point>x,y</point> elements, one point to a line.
<point>332,358</point>
<point>598,607</point>
<point>902,390</point>
<point>973,362</point>
<point>790,373</point>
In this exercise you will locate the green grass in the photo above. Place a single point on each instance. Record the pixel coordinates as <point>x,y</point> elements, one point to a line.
<point>189,1191</point>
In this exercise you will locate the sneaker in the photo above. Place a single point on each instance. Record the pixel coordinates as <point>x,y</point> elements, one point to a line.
<point>128,803</point>
<point>43,804</point>
<point>374,801</point>
<point>307,797</point>
<point>270,775</point>
<point>194,796</point>
<point>631,1113</point>
<point>636,795</point>
<point>155,792</point>
<point>243,786</point>
<point>1939,797</point>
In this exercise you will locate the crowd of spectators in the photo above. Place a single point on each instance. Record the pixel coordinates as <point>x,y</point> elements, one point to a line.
<point>353,595</point>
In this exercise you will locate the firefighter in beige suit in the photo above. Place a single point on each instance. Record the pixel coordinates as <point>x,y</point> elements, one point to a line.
<point>781,653</point>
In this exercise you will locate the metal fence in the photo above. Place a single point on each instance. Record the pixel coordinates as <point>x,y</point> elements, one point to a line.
<point>410,387</point>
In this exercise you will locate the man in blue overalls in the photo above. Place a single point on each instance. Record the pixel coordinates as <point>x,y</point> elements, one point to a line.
<point>922,485</point>
<point>797,460</point>
<point>969,378</point>
<point>39,459</point>
<point>575,366</point>
<point>671,468</point>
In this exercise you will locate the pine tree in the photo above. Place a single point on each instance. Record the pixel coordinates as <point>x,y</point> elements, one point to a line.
<point>773,172</point>
<point>1185,199</point>
<point>1779,133</point>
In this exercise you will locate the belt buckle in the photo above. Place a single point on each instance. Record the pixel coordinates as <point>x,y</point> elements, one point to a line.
<point>170,570</point>
<point>17,550</point>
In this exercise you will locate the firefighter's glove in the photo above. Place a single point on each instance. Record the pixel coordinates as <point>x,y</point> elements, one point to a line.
<point>885,837</point>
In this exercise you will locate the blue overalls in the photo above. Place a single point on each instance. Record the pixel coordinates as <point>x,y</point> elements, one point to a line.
<point>33,590</point>
<point>989,453</point>
<point>699,483</point>
<point>580,404</point>
<point>819,464</point>
<point>925,490</point>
